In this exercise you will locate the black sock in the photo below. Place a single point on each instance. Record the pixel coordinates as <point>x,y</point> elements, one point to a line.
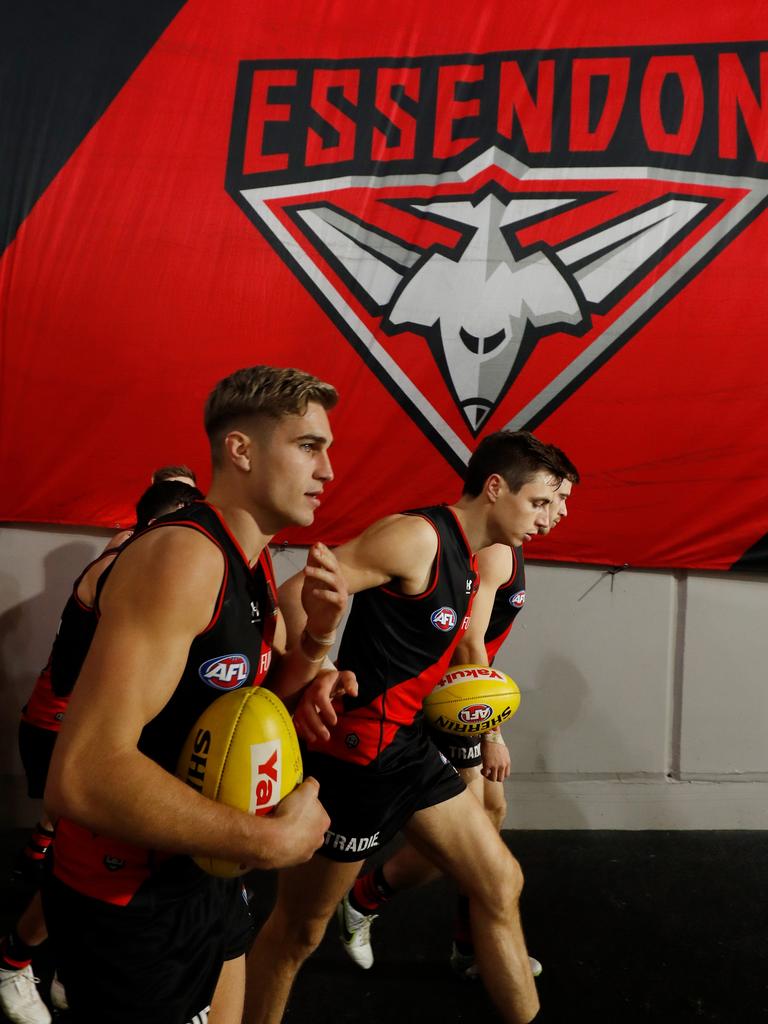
<point>462,930</point>
<point>385,890</point>
<point>14,954</point>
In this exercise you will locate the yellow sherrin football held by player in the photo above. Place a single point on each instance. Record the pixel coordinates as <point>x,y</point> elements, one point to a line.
<point>243,751</point>
<point>472,699</point>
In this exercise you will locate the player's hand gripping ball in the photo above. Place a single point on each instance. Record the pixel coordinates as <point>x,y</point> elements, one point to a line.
<point>471,699</point>
<point>243,752</point>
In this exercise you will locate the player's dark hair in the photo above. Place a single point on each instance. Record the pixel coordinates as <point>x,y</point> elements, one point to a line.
<point>161,497</point>
<point>173,473</point>
<point>261,391</point>
<point>567,469</point>
<point>517,456</point>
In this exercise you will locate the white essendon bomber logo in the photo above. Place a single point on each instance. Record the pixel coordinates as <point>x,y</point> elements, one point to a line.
<point>486,230</point>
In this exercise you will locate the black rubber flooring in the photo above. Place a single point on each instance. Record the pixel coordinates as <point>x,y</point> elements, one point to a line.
<point>630,926</point>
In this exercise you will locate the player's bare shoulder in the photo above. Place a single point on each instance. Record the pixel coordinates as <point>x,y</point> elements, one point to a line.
<point>415,544</point>
<point>409,538</point>
<point>495,564</point>
<point>396,547</point>
<point>172,567</point>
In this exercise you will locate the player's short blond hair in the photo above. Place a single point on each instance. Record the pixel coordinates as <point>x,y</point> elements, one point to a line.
<point>255,391</point>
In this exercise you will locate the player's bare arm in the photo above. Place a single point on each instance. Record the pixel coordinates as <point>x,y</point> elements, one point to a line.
<point>86,590</point>
<point>304,677</point>
<point>318,600</point>
<point>496,760</point>
<point>400,548</point>
<point>119,538</point>
<point>494,566</point>
<point>160,595</point>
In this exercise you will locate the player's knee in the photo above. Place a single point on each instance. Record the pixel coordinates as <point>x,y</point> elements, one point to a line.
<point>506,885</point>
<point>496,882</point>
<point>308,935</point>
<point>495,805</point>
<point>299,934</point>
<point>511,875</point>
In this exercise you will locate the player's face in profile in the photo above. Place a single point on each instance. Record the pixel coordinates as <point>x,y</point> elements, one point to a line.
<point>559,508</point>
<point>519,516</point>
<point>295,466</point>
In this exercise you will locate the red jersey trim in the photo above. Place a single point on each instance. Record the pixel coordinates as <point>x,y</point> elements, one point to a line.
<point>232,537</point>
<point>460,528</point>
<point>269,571</point>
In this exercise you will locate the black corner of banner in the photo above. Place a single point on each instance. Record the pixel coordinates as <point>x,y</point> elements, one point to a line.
<point>754,559</point>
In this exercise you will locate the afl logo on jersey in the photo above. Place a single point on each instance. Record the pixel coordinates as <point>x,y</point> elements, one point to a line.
<point>444,619</point>
<point>517,600</point>
<point>226,672</point>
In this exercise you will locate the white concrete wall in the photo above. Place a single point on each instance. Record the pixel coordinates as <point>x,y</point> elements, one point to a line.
<point>644,701</point>
<point>644,705</point>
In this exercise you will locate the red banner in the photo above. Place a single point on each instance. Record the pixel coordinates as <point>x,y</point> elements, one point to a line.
<point>465,219</point>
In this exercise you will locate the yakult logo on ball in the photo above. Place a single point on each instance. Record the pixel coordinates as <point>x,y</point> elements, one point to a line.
<point>266,775</point>
<point>226,672</point>
<point>475,713</point>
<point>481,672</point>
<point>444,618</point>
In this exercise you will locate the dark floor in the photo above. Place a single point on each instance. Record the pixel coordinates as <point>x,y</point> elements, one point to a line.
<point>630,926</point>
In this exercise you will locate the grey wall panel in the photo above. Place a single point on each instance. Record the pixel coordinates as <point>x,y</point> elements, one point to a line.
<point>37,568</point>
<point>725,677</point>
<point>593,655</point>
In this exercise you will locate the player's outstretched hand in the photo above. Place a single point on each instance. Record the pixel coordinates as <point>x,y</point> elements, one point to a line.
<point>496,763</point>
<point>324,594</point>
<point>304,822</point>
<point>315,712</point>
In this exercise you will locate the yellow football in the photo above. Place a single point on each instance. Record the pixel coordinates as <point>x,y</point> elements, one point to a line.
<point>471,700</point>
<point>243,751</point>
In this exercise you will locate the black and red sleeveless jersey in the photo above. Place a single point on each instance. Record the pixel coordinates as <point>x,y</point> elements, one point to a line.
<point>400,645</point>
<point>50,695</point>
<point>233,651</point>
<point>73,637</point>
<point>508,602</point>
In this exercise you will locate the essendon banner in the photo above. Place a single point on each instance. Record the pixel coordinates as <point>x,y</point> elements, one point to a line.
<point>466,223</point>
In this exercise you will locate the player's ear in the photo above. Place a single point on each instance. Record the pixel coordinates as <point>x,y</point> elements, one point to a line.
<point>494,487</point>
<point>237,446</point>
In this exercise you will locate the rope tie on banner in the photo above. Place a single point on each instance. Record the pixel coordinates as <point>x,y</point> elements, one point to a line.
<point>612,572</point>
